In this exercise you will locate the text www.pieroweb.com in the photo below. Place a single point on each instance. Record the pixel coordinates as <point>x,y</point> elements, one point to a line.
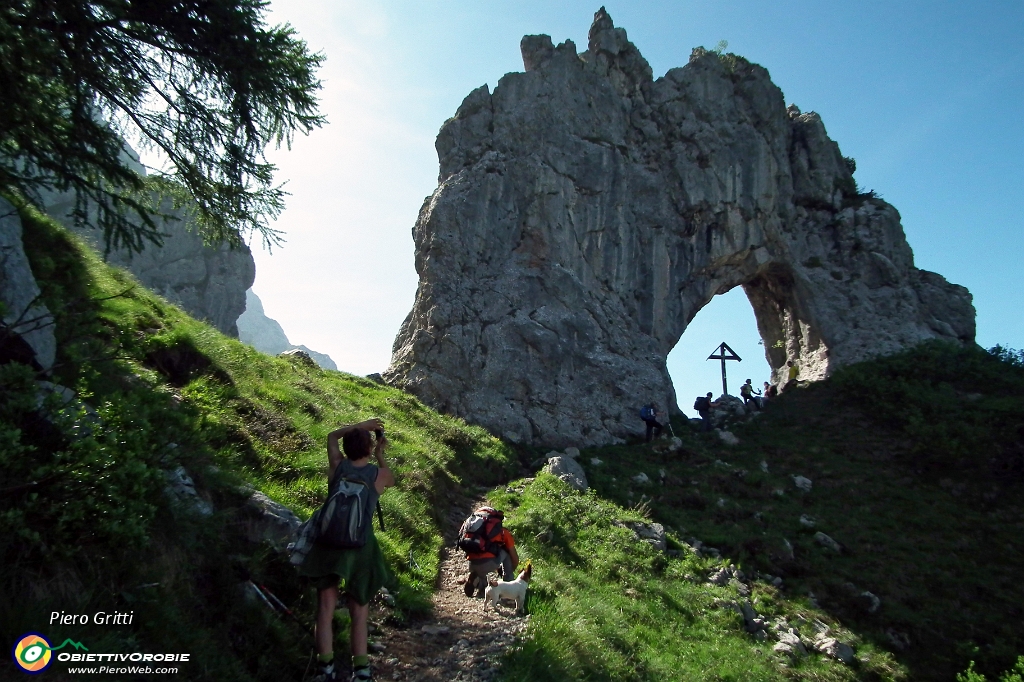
<point>123,670</point>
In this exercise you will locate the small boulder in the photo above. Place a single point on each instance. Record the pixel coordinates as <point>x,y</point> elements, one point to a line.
<point>826,541</point>
<point>789,643</point>
<point>807,521</point>
<point>641,479</point>
<point>728,408</point>
<point>651,533</point>
<point>569,471</point>
<point>594,461</point>
<point>802,483</point>
<point>833,648</point>
<point>572,452</point>
<point>723,575</point>
<point>269,521</point>
<point>752,622</point>
<point>728,438</point>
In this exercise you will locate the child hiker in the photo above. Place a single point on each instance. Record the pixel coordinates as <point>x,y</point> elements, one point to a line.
<point>360,572</point>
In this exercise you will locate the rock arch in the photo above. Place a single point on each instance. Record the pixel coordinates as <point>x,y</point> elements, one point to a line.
<point>586,212</point>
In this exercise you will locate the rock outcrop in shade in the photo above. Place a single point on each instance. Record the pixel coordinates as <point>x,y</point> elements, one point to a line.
<point>26,325</point>
<point>586,212</point>
<point>208,282</point>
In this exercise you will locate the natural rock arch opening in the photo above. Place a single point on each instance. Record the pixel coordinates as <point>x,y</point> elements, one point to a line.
<point>727,317</point>
<point>585,212</point>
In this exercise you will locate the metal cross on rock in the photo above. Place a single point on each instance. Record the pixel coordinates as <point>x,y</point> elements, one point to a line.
<point>725,353</point>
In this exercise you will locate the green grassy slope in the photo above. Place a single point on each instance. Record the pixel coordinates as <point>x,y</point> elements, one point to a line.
<point>916,468</point>
<point>606,607</point>
<point>85,524</point>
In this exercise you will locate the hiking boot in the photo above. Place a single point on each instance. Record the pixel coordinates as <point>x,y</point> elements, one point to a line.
<point>324,673</point>
<point>362,674</point>
<point>470,585</point>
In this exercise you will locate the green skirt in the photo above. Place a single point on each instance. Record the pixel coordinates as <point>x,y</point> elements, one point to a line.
<point>359,572</point>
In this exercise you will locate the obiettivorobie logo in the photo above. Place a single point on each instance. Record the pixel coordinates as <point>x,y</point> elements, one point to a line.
<point>33,652</point>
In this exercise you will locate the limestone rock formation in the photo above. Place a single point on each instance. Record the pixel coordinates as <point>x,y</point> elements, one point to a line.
<point>266,334</point>
<point>208,282</point>
<point>586,212</point>
<point>259,331</point>
<point>26,326</point>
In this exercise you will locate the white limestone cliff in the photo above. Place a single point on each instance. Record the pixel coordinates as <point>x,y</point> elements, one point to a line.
<point>585,212</point>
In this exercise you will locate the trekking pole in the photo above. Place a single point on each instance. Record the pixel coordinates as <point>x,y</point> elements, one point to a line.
<point>285,608</point>
<point>380,516</point>
<point>262,596</point>
<point>264,593</point>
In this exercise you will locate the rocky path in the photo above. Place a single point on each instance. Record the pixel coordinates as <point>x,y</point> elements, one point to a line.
<point>460,641</point>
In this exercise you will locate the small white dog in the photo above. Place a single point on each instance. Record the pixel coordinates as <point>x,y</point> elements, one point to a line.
<point>515,590</point>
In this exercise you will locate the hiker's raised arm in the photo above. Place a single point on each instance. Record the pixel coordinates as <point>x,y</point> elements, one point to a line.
<point>334,455</point>
<point>385,478</point>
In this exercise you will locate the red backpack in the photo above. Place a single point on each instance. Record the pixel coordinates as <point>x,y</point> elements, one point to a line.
<point>480,532</point>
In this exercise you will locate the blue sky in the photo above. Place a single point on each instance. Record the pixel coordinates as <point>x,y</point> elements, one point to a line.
<point>928,97</point>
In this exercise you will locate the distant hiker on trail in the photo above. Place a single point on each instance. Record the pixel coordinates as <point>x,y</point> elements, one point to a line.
<point>337,557</point>
<point>767,393</point>
<point>703,406</point>
<point>748,394</point>
<point>771,391</point>
<point>488,547</point>
<point>649,413</point>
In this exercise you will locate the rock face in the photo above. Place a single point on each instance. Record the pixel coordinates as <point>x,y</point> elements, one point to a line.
<point>208,282</point>
<point>26,326</point>
<point>586,212</point>
<point>266,334</point>
<point>259,331</point>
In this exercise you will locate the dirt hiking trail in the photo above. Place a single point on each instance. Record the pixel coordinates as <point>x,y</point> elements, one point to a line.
<point>460,640</point>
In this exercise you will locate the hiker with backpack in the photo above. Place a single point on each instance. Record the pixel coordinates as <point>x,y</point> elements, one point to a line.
<point>649,413</point>
<point>488,547</point>
<point>703,406</point>
<point>345,550</point>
